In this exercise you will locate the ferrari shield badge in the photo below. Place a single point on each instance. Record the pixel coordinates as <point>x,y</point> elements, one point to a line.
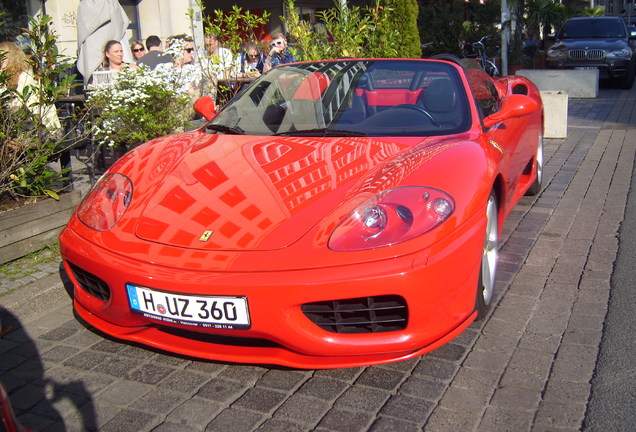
<point>206,236</point>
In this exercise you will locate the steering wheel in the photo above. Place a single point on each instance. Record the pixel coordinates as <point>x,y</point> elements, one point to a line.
<point>420,109</point>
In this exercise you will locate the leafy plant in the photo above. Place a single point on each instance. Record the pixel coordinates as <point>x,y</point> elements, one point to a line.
<point>26,147</point>
<point>139,105</point>
<point>234,28</point>
<point>356,32</point>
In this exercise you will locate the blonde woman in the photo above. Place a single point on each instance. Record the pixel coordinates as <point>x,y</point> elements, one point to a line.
<point>20,77</point>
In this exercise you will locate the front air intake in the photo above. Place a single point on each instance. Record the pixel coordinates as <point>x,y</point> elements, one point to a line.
<point>359,315</point>
<point>90,283</point>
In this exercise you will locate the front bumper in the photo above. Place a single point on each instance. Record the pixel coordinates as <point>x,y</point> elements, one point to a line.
<point>610,69</point>
<point>438,284</point>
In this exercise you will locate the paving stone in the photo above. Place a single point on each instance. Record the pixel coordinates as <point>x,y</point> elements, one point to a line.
<point>468,377</point>
<point>232,419</point>
<point>244,374</point>
<point>123,393</point>
<point>471,400</point>
<point>443,419</point>
<point>503,420</point>
<point>221,390</point>
<point>87,360</point>
<point>392,424</point>
<point>408,408</point>
<point>282,379</point>
<point>435,368</point>
<point>323,388</point>
<point>184,381</point>
<point>345,421</point>
<point>150,373</point>
<point>158,402</point>
<point>116,366</point>
<point>516,398</point>
<point>195,413</point>
<point>279,425</point>
<point>130,420</point>
<point>566,391</point>
<point>555,414</point>
<point>381,378</point>
<point>58,354</point>
<point>260,399</point>
<point>450,352</point>
<point>59,334</point>
<point>358,398</point>
<point>342,374</point>
<point>303,409</point>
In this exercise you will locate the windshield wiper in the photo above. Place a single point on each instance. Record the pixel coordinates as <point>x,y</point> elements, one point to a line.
<point>321,132</point>
<point>225,129</point>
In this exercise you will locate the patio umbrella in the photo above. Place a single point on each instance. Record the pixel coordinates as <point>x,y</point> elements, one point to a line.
<point>98,21</point>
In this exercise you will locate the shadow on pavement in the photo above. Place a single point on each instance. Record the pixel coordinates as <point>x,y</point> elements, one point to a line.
<point>33,395</point>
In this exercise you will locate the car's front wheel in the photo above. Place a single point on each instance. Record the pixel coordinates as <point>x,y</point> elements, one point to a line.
<point>627,81</point>
<point>489,258</point>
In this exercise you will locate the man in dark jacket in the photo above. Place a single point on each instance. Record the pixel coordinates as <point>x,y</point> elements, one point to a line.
<point>155,54</point>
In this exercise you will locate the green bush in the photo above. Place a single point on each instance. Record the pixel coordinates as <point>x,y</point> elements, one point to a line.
<point>140,105</point>
<point>356,32</point>
<point>26,147</point>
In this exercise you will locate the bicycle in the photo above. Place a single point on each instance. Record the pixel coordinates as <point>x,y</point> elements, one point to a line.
<point>481,57</point>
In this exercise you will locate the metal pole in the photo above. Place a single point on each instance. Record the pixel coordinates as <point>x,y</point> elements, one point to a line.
<point>505,35</point>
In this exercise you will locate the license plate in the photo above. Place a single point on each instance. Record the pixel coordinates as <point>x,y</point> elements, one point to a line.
<point>218,312</point>
<point>586,68</point>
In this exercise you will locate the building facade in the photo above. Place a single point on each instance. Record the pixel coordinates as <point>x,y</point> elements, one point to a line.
<point>147,17</point>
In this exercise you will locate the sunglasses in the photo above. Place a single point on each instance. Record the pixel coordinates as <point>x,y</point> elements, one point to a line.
<point>252,55</point>
<point>139,49</point>
<point>189,50</point>
<point>276,43</point>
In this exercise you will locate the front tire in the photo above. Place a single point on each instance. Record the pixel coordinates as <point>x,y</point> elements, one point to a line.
<point>535,187</point>
<point>490,253</point>
<point>627,82</point>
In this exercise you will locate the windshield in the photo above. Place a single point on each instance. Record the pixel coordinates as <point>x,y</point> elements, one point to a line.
<point>350,98</point>
<point>593,28</point>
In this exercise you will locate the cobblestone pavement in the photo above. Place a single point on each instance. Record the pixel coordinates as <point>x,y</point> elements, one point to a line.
<point>527,367</point>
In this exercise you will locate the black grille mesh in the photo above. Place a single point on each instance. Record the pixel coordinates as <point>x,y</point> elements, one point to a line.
<point>359,315</point>
<point>91,283</point>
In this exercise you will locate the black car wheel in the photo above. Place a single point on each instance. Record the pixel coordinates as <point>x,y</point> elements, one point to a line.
<point>628,80</point>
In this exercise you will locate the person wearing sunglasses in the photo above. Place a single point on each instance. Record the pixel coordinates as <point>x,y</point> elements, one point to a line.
<point>138,50</point>
<point>251,61</point>
<point>155,55</point>
<point>278,52</point>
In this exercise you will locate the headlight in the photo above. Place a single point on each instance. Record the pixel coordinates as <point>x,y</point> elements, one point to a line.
<point>392,217</point>
<point>557,54</point>
<point>106,203</point>
<point>620,53</point>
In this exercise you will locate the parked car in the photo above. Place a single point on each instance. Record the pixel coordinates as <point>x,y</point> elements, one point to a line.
<point>601,43</point>
<point>335,213</point>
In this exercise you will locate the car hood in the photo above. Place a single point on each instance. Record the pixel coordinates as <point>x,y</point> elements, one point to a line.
<point>238,193</point>
<point>591,43</point>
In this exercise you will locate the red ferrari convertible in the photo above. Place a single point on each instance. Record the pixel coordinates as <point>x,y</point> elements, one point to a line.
<point>335,213</point>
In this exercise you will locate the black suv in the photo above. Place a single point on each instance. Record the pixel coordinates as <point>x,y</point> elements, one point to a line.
<point>602,43</point>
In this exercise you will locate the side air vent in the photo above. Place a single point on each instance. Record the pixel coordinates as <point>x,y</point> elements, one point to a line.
<point>359,315</point>
<point>91,283</point>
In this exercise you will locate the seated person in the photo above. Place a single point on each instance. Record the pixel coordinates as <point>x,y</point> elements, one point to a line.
<point>20,77</point>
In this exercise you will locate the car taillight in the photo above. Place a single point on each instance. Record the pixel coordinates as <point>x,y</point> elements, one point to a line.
<point>392,217</point>
<point>106,203</point>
